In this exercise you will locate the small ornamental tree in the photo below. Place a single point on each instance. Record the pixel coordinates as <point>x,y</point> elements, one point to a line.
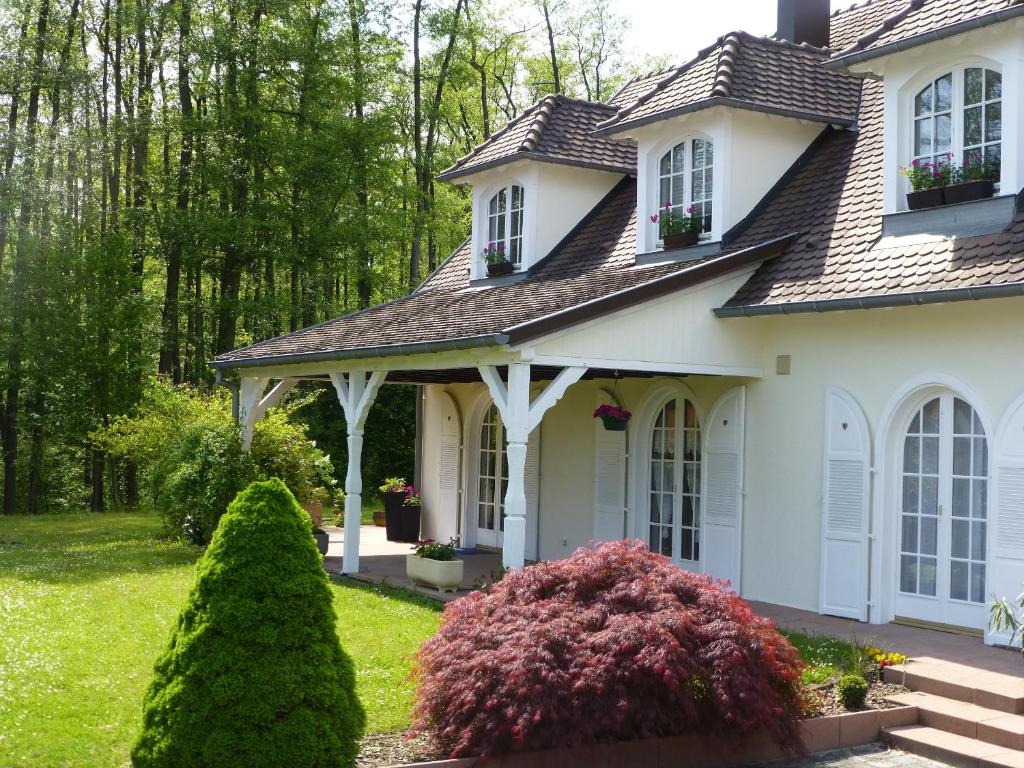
<point>254,674</point>
<point>612,644</point>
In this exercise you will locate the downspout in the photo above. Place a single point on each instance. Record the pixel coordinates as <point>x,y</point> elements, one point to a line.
<point>417,472</point>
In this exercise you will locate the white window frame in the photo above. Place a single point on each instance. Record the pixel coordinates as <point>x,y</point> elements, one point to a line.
<point>506,220</point>
<point>958,108</point>
<point>687,173</point>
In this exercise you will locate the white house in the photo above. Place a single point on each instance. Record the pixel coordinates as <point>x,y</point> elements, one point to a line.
<point>827,389</point>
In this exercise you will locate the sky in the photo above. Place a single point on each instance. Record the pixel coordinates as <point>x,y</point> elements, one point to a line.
<point>680,28</point>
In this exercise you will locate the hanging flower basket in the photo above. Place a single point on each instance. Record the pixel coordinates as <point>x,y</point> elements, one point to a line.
<point>614,418</point>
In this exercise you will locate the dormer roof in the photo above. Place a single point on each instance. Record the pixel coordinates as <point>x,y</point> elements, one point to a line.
<point>747,72</point>
<point>913,22</point>
<point>557,130</point>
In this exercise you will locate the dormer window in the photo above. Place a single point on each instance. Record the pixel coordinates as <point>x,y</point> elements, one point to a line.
<point>685,179</point>
<point>505,222</point>
<point>959,117</point>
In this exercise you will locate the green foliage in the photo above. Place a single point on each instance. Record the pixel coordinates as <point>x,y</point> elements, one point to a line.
<point>254,673</point>
<point>280,448</point>
<point>429,549</point>
<point>852,690</point>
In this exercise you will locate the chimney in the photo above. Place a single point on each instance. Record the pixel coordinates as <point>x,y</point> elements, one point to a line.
<point>804,21</point>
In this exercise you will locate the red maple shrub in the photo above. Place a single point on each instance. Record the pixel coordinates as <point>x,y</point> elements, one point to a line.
<point>612,644</point>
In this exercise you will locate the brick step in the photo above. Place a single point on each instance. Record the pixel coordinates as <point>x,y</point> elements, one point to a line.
<point>963,719</point>
<point>959,751</point>
<point>991,690</point>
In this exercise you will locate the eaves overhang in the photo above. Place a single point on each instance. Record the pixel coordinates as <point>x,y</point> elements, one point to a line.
<point>452,174</point>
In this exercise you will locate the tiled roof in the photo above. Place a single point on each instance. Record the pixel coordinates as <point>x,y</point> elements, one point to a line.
<point>918,17</point>
<point>835,201</point>
<point>753,72</point>
<point>638,86</point>
<point>858,20</point>
<point>596,263</point>
<point>555,129</point>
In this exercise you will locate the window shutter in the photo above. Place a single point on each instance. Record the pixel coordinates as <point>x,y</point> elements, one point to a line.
<point>447,513</point>
<point>843,590</point>
<point>609,481</point>
<point>1006,512</point>
<point>532,480</point>
<point>722,499</point>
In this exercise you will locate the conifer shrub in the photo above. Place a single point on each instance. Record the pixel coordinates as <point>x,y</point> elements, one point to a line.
<point>852,691</point>
<point>254,673</point>
<point>612,644</point>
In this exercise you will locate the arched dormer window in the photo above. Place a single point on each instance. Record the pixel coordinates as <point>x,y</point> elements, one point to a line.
<point>685,179</point>
<point>505,223</point>
<point>959,116</point>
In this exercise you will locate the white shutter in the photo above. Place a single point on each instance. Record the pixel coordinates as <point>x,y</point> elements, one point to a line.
<point>609,481</point>
<point>448,468</point>
<point>722,499</point>
<point>532,482</point>
<point>1005,574</point>
<point>844,508</point>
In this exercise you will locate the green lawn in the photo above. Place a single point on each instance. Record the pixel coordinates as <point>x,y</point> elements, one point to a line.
<point>87,603</point>
<point>824,657</point>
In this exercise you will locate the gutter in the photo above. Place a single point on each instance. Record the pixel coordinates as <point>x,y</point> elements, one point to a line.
<point>841,62</point>
<point>723,101</point>
<point>917,298</point>
<point>539,157</point>
<point>385,350</point>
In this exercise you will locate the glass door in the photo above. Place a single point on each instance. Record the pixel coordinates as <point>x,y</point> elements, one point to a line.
<point>675,474</point>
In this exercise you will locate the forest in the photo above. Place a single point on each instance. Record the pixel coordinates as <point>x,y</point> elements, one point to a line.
<point>182,177</point>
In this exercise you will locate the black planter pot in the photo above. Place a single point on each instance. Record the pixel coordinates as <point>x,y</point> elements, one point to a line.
<point>409,529</point>
<point>611,424</point>
<point>926,198</point>
<point>967,191</point>
<point>500,268</point>
<point>394,504</point>
<point>680,240</point>
<point>322,541</point>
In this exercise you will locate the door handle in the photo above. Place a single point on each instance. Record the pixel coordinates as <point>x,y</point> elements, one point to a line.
<point>940,510</point>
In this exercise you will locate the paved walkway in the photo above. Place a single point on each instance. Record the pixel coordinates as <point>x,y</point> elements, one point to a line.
<point>870,756</point>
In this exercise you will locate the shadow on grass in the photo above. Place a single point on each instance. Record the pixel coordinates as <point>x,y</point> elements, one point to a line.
<point>385,590</point>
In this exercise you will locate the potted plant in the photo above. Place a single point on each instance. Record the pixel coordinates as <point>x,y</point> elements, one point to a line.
<point>971,181</point>
<point>392,492</point>
<point>678,230</point>
<point>314,505</point>
<point>496,260</point>
<point>323,540</point>
<point>412,503</point>
<point>434,564</point>
<point>927,181</point>
<point>615,419</point>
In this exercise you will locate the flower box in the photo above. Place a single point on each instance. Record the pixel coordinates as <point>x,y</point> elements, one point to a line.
<point>445,575</point>
<point>925,198</point>
<point>967,191</point>
<point>500,268</point>
<point>680,240</point>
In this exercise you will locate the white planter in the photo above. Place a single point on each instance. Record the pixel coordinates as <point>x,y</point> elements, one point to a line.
<point>446,575</point>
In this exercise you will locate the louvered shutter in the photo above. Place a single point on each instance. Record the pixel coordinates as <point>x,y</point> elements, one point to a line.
<point>448,465</point>
<point>844,508</point>
<point>532,482</point>
<point>1006,512</point>
<point>609,481</point>
<point>722,499</point>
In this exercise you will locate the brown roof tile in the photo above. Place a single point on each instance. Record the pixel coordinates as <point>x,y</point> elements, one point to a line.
<point>556,129</point>
<point>851,23</point>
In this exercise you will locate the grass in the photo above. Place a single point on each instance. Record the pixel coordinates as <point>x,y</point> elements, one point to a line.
<point>87,602</point>
<point>825,657</point>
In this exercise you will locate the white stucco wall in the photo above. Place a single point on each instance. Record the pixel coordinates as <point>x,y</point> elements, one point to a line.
<point>751,152</point>
<point>556,197</point>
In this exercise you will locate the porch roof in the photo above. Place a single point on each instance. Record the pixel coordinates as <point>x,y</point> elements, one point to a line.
<point>591,273</point>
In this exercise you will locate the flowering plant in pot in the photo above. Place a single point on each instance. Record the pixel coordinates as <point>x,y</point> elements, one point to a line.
<point>927,180</point>
<point>392,492</point>
<point>971,181</point>
<point>615,419</point>
<point>496,259</point>
<point>435,564</point>
<point>678,230</point>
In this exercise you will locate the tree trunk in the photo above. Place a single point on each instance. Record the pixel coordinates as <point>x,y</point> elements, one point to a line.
<point>551,47</point>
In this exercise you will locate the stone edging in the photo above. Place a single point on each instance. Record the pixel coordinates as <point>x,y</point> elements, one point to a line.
<point>821,734</point>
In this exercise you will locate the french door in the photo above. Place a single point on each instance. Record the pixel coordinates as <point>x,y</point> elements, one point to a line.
<point>493,479</point>
<point>674,467</point>
<point>943,515</point>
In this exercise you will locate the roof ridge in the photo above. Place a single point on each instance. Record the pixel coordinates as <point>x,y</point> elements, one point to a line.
<point>886,24</point>
<point>545,108</point>
<point>855,7</point>
<point>462,161</point>
<point>726,62</point>
<point>637,78</point>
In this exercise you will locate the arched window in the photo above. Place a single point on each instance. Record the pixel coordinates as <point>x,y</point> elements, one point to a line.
<point>686,177</point>
<point>943,509</point>
<point>493,478</point>
<point>959,116</point>
<point>505,222</point>
<point>675,472</point>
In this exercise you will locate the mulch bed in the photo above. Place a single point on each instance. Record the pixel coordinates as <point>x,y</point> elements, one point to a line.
<point>385,749</point>
<point>877,693</point>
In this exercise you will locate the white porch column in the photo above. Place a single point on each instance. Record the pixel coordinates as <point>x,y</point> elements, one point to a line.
<point>253,404</point>
<point>520,418</point>
<point>356,394</point>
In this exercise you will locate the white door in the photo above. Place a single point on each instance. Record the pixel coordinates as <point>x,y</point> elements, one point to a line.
<point>446,515</point>
<point>674,481</point>
<point>723,487</point>
<point>943,515</point>
<point>609,482</point>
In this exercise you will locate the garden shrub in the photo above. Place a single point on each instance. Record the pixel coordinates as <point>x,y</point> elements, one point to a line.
<point>852,691</point>
<point>613,643</point>
<point>254,673</point>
